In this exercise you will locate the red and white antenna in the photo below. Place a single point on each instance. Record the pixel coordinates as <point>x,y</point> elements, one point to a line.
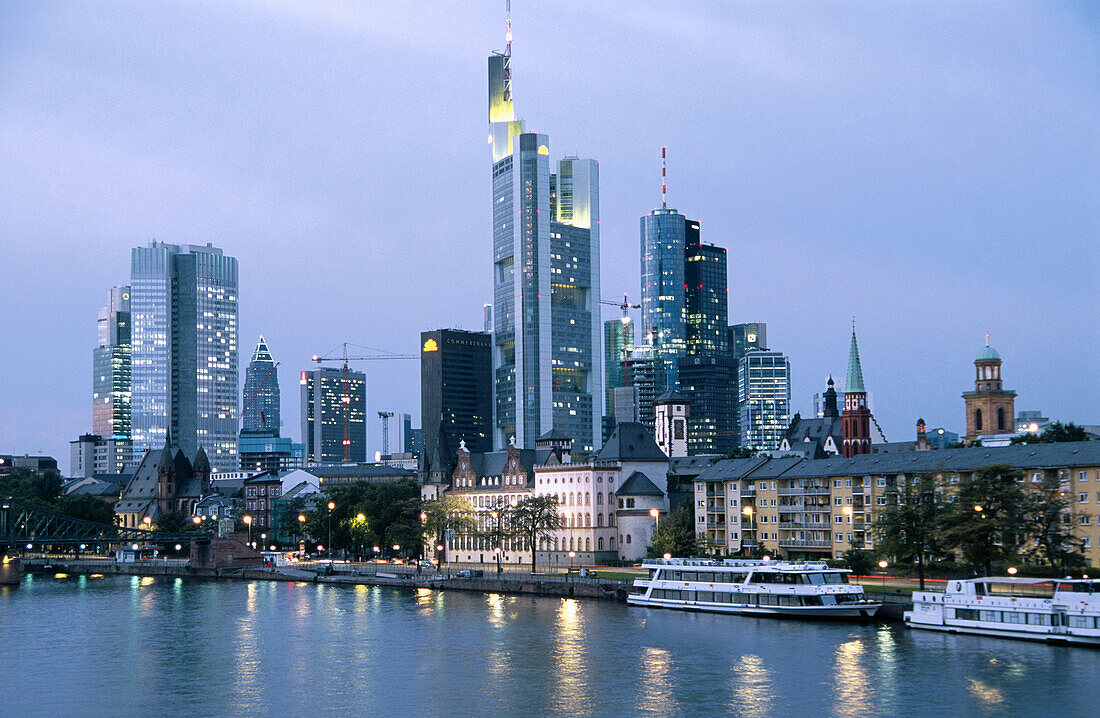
<point>508,35</point>
<point>664,185</point>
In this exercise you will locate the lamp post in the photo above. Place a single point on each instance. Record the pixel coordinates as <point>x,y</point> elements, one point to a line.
<point>439,558</point>
<point>331,506</point>
<point>572,555</point>
<point>248,522</point>
<point>1012,571</point>
<point>302,534</point>
<point>882,565</point>
<point>497,535</point>
<point>747,511</point>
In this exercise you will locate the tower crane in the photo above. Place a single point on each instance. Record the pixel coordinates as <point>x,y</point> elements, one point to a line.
<point>625,305</point>
<point>385,416</point>
<point>345,397</point>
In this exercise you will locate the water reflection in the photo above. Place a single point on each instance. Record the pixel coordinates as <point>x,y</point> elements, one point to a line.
<point>569,667</point>
<point>656,679</point>
<point>246,684</point>
<point>853,689</point>
<point>752,692</point>
<point>986,695</point>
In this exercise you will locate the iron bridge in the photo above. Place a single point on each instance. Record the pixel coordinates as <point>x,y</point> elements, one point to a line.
<point>22,524</point>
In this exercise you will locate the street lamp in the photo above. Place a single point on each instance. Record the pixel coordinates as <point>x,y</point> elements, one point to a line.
<point>882,565</point>
<point>978,508</point>
<point>572,555</point>
<point>248,522</point>
<point>331,506</point>
<point>1011,570</point>
<point>439,558</point>
<point>196,520</point>
<point>747,511</point>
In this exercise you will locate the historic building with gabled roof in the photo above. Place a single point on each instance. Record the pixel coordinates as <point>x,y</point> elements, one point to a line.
<point>164,482</point>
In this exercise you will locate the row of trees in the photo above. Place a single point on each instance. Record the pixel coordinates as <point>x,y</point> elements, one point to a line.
<point>44,489</point>
<point>989,518</point>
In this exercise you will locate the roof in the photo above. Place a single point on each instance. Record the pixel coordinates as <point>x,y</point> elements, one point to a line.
<point>555,434</point>
<point>987,353</point>
<point>334,470</point>
<point>631,441</point>
<point>855,371</point>
<point>817,430</point>
<point>639,485</point>
<point>262,354</point>
<point>492,463</point>
<point>671,397</point>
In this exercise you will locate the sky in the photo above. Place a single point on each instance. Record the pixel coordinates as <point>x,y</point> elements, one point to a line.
<point>931,169</point>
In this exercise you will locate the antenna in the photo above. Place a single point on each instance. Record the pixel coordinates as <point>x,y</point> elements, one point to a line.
<point>508,23</point>
<point>664,186</point>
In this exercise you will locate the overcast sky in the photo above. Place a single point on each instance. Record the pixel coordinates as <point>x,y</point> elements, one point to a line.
<point>931,168</point>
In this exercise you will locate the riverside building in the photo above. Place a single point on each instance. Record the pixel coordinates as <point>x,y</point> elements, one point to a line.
<point>546,256</point>
<point>183,306</point>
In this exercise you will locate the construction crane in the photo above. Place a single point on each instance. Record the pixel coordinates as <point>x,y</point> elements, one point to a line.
<point>345,397</point>
<point>385,416</point>
<point>625,305</point>
<point>252,398</point>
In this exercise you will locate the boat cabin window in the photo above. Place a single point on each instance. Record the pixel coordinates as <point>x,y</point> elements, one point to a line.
<point>818,579</point>
<point>1088,587</point>
<point>1030,590</point>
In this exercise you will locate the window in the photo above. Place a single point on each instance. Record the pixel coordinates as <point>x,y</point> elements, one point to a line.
<point>1036,477</point>
<point>1083,497</point>
<point>699,486</point>
<point>839,538</point>
<point>837,483</point>
<point>880,500</point>
<point>880,482</point>
<point>1001,419</point>
<point>848,483</point>
<point>599,498</point>
<point>838,519</point>
<point>628,538</point>
<point>763,486</point>
<point>838,501</point>
<point>1084,519</point>
<point>1082,476</point>
<point>1086,542</point>
<point>978,419</point>
<point>773,486</point>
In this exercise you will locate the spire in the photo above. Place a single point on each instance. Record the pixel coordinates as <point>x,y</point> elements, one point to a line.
<point>262,353</point>
<point>855,371</point>
<point>664,181</point>
<point>508,32</point>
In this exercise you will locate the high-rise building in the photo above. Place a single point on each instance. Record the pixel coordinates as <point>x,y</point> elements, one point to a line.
<point>709,385</point>
<point>111,362</point>
<point>664,240</point>
<point>183,305</point>
<point>456,390</point>
<point>747,337</point>
<point>618,339</point>
<point>707,313</point>
<point>546,259</point>
<point>640,369</point>
<point>260,406</point>
<point>327,395</point>
<point>764,398</point>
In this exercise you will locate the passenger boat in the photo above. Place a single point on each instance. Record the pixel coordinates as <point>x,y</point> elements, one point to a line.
<point>1037,609</point>
<point>774,588</point>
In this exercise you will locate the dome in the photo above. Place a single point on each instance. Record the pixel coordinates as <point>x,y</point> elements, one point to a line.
<point>988,353</point>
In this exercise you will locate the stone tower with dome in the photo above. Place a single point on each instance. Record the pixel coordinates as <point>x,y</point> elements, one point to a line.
<point>990,409</point>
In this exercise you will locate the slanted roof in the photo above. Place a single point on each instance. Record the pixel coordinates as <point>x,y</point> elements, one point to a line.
<point>555,434</point>
<point>631,441</point>
<point>855,371</point>
<point>671,397</point>
<point>639,485</point>
<point>818,430</point>
<point>731,469</point>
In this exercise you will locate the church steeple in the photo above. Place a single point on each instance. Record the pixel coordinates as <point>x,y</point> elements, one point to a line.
<point>855,371</point>
<point>856,417</point>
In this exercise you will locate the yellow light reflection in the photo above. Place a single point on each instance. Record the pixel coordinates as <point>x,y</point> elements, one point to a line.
<point>146,581</point>
<point>853,690</point>
<point>657,695</point>
<point>569,662</point>
<point>986,694</point>
<point>752,693</point>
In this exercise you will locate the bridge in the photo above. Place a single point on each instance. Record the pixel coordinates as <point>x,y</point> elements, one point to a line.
<point>22,524</point>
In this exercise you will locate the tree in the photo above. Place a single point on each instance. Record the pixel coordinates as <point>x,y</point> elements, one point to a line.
<point>987,521</point>
<point>741,452</point>
<point>87,507</point>
<point>1050,524</point>
<point>443,518</point>
<point>1054,433</point>
<point>535,519</point>
<point>499,527</point>
<point>33,487</point>
<point>676,534</point>
<point>859,562</point>
<point>906,528</point>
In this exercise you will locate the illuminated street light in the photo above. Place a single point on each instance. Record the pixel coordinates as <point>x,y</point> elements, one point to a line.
<point>883,564</point>
<point>1011,570</point>
<point>360,517</point>
<point>196,520</point>
<point>978,508</point>
<point>668,556</point>
<point>248,522</point>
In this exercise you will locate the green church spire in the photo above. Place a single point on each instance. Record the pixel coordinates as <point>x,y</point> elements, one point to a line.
<point>855,371</point>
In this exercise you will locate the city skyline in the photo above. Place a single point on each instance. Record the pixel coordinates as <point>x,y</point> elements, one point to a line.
<point>851,230</point>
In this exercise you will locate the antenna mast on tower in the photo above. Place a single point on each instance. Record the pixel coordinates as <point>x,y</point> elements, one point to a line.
<point>664,185</point>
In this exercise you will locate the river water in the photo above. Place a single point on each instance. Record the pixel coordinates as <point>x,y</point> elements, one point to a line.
<point>130,646</point>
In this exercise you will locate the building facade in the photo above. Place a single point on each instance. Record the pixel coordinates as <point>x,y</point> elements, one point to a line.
<point>456,389</point>
<point>618,342</point>
<point>763,398</point>
<point>111,362</point>
<point>709,383</point>
<point>327,395</point>
<point>92,454</point>
<point>546,257</point>
<point>664,240</point>
<point>183,306</point>
<point>260,406</point>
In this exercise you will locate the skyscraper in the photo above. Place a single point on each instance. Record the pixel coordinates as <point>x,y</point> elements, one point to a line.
<point>111,361</point>
<point>618,339</point>
<point>709,384</point>
<point>260,405</point>
<point>456,390</point>
<point>747,337</point>
<point>546,260</point>
<point>664,234</point>
<point>705,297</point>
<point>323,409</point>
<point>764,398</point>
<point>183,303</point>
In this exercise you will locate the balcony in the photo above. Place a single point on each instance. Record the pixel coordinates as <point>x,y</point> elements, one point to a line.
<point>804,525</point>
<point>805,491</point>
<point>748,490</point>
<point>713,525</point>
<point>805,543</point>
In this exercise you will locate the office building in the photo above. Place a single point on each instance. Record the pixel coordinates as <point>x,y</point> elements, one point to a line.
<point>92,454</point>
<point>709,384</point>
<point>111,367</point>
<point>183,306</point>
<point>707,316</point>
<point>640,370</point>
<point>763,398</point>
<point>260,408</point>
<point>546,257</point>
<point>618,339</point>
<point>334,409</point>
<point>456,390</point>
<point>747,337</point>
<point>664,240</point>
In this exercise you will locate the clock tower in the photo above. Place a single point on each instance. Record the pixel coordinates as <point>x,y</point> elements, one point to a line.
<point>990,409</point>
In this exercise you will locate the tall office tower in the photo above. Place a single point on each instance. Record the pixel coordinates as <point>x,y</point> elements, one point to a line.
<point>618,338</point>
<point>546,259</point>
<point>640,369</point>
<point>764,398</point>
<point>664,239</point>
<point>747,337</point>
<point>456,391</point>
<point>709,384</point>
<point>707,314</point>
<point>261,388</point>
<point>111,367</point>
<point>183,305</point>
<point>323,406</point>
<point>487,317</point>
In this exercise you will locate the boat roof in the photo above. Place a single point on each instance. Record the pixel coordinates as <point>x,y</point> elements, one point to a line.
<point>754,564</point>
<point>1022,580</point>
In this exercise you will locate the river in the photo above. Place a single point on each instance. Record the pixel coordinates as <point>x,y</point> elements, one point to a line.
<point>131,646</point>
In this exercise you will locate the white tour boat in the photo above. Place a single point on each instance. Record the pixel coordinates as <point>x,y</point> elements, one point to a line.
<point>1037,609</point>
<point>776,588</point>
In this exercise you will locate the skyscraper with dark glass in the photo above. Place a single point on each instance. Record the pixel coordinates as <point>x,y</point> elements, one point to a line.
<point>183,304</point>
<point>618,340</point>
<point>260,403</point>
<point>456,390</point>
<point>664,234</point>
<point>111,361</point>
<point>323,406</point>
<point>547,366</point>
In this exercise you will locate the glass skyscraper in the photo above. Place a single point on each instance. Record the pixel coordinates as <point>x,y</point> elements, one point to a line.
<point>261,386</point>
<point>323,409</point>
<point>764,398</point>
<point>183,303</point>
<point>111,367</point>
<point>664,301</point>
<point>547,366</point>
